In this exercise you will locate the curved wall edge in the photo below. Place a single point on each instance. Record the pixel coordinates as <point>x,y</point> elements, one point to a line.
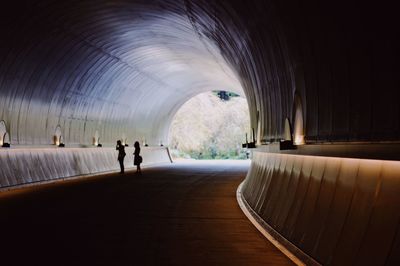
<point>20,167</point>
<point>338,211</point>
<point>287,248</point>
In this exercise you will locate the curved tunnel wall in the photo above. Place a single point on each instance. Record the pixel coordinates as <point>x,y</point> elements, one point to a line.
<point>340,59</point>
<point>339,211</point>
<point>119,68</point>
<point>122,68</point>
<point>38,165</point>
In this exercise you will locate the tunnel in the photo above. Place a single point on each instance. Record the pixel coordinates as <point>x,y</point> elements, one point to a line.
<point>321,81</point>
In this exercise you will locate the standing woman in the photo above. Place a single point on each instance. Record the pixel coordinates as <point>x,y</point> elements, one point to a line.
<point>137,160</point>
<point>121,155</point>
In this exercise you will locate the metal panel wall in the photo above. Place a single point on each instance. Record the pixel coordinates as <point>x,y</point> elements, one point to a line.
<point>340,211</point>
<point>124,67</point>
<point>33,165</point>
<point>121,68</point>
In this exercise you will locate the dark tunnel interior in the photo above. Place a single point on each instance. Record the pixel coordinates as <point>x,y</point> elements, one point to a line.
<point>88,66</point>
<point>324,73</point>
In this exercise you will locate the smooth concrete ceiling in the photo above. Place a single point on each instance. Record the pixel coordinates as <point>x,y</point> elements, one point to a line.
<point>123,68</point>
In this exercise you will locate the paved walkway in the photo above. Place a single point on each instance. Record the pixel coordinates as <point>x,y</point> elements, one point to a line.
<point>179,214</point>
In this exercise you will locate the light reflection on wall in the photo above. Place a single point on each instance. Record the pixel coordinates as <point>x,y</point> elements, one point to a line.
<point>298,130</point>
<point>3,131</point>
<point>304,198</point>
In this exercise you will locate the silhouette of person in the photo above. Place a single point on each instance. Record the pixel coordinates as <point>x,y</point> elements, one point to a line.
<point>121,155</point>
<point>137,160</point>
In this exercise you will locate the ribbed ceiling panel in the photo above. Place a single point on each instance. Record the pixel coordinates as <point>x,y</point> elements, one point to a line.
<point>121,67</point>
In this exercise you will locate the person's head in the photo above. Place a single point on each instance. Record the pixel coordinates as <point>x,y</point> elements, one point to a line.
<point>118,142</point>
<point>137,145</point>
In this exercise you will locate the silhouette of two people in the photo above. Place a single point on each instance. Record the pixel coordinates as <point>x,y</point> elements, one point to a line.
<point>137,159</point>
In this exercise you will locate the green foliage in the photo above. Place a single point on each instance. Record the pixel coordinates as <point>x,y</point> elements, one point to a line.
<point>208,128</point>
<point>229,94</point>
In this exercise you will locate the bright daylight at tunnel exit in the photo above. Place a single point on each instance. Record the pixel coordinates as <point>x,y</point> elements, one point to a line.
<point>211,125</point>
<point>199,132</point>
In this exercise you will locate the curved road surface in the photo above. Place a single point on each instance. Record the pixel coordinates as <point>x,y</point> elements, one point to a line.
<point>178,214</point>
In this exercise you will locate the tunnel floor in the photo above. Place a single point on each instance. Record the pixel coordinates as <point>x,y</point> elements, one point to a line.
<point>178,214</point>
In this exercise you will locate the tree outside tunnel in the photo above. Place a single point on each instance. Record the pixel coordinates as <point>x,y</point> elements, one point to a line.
<point>211,125</point>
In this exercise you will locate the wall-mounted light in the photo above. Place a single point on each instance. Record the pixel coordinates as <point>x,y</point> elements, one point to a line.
<point>58,138</point>
<point>299,140</point>
<point>287,134</point>
<point>6,141</point>
<point>298,128</point>
<point>61,142</point>
<point>96,138</point>
<point>3,131</point>
<point>123,139</point>
<point>287,142</point>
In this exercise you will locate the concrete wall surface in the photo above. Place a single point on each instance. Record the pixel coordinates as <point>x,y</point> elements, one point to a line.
<point>26,166</point>
<point>339,211</point>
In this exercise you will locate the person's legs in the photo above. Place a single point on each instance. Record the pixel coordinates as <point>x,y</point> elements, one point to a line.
<point>121,165</point>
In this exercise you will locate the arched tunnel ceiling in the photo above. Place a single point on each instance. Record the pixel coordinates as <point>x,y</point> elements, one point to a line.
<point>120,67</point>
<point>124,67</point>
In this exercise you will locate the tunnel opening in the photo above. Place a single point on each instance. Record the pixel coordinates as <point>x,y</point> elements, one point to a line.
<point>210,126</point>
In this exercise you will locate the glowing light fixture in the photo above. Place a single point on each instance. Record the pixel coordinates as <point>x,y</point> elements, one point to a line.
<point>288,131</point>
<point>6,140</point>
<point>123,139</point>
<point>96,138</point>
<point>3,130</point>
<point>298,130</point>
<point>58,140</point>
<point>299,140</point>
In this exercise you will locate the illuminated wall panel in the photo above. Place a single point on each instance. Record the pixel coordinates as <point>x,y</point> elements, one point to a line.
<point>339,211</point>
